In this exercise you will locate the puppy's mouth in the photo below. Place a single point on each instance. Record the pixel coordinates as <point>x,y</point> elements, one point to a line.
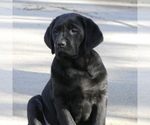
<point>61,53</point>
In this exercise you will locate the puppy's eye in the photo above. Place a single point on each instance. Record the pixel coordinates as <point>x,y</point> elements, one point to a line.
<point>55,31</point>
<point>74,31</point>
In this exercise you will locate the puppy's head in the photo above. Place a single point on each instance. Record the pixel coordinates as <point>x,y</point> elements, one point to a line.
<point>70,34</point>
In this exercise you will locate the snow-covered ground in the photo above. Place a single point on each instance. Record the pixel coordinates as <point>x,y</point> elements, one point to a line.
<point>32,59</point>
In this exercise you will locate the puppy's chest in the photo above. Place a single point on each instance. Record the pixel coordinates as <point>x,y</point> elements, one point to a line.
<point>76,73</point>
<point>80,103</point>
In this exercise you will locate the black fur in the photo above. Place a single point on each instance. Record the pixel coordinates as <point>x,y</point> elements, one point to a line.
<point>76,94</point>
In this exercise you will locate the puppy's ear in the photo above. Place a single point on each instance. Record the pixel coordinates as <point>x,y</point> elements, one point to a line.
<point>48,36</point>
<point>93,35</point>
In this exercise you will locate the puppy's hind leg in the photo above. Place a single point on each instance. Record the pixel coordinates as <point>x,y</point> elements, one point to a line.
<point>35,111</point>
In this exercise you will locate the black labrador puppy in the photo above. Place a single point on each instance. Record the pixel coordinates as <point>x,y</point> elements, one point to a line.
<point>76,94</point>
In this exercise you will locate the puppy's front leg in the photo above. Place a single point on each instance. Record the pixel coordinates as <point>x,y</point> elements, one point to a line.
<point>63,113</point>
<point>100,112</point>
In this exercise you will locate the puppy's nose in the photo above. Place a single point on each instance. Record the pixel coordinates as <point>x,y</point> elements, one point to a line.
<point>61,44</point>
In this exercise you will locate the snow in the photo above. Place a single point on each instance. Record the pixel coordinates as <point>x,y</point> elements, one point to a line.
<point>25,74</point>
